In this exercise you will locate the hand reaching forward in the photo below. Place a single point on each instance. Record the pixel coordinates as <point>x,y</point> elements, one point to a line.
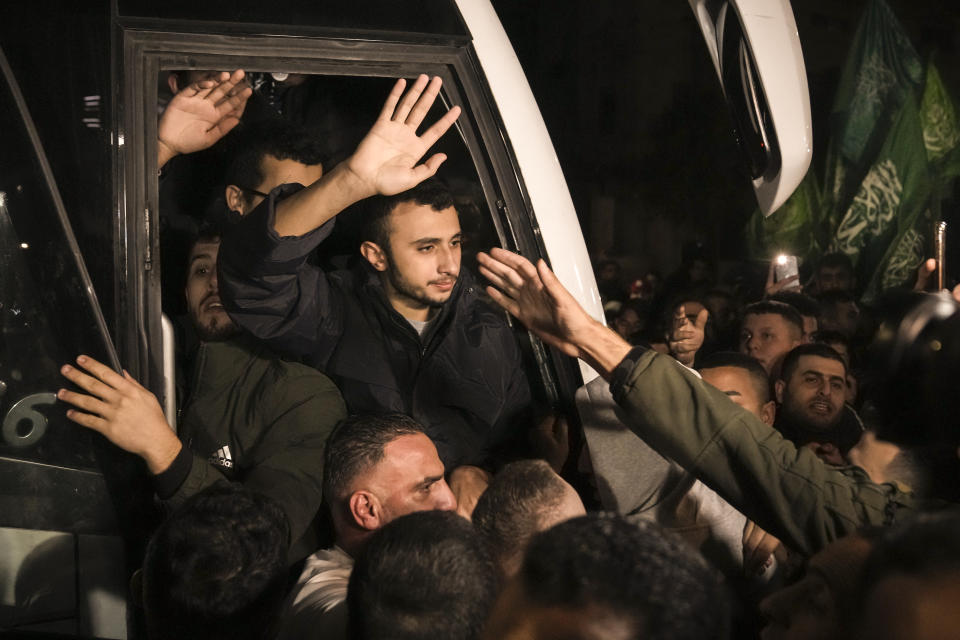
<point>535,296</point>
<point>687,337</point>
<point>201,114</point>
<point>123,411</point>
<point>386,161</point>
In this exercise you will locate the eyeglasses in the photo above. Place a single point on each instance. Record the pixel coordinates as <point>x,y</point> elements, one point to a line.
<point>255,192</point>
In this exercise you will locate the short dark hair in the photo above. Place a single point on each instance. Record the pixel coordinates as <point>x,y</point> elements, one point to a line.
<point>781,309</point>
<point>639,573</point>
<point>804,304</point>
<point>432,192</point>
<point>758,375</point>
<point>356,444</point>
<point>425,575</point>
<point>282,139</point>
<point>834,260</point>
<point>217,567</point>
<point>792,359</point>
<point>508,513</point>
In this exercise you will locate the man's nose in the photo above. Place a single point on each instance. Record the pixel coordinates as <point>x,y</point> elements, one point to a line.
<point>213,283</point>
<point>449,261</point>
<point>445,500</point>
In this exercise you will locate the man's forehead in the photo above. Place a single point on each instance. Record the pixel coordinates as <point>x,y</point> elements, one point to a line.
<point>412,221</point>
<point>821,365</point>
<point>765,320</point>
<point>205,249</point>
<point>728,378</point>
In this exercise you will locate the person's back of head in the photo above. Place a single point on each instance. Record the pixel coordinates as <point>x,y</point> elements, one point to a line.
<point>525,497</point>
<point>600,576</point>
<point>282,139</point>
<point>217,567</point>
<point>426,575</point>
<point>755,371</point>
<point>910,583</point>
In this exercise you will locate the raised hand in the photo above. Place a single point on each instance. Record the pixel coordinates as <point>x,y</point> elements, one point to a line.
<point>535,296</point>
<point>686,338</point>
<point>201,114</point>
<point>120,409</point>
<point>387,161</point>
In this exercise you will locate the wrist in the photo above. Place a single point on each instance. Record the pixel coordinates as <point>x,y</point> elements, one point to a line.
<point>163,452</point>
<point>601,347</point>
<point>165,153</point>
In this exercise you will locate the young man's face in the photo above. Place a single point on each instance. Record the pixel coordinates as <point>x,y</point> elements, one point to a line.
<point>203,295</point>
<point>410,478</point>
<point>423,258</point>
<point>768,337</point>
<point>815,393</point>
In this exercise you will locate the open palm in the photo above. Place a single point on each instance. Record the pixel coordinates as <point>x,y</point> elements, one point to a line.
<point>202,113</point>
<point>386,161</point>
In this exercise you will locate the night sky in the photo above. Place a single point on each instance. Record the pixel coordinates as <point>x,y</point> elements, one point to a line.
<point>636,114</point>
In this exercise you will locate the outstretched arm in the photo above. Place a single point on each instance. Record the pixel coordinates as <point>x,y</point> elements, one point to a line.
<point>386,162</point>
<point>120,409</point>
<point>200,115</point>
<point>537,298</point>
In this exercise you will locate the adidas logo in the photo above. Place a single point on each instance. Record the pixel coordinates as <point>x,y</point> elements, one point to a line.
<point>222,457</point>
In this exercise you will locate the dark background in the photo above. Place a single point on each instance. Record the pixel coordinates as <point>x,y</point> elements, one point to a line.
<point>632,103</point>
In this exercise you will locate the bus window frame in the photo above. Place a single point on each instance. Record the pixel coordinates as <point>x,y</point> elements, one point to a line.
<point>147,53</point>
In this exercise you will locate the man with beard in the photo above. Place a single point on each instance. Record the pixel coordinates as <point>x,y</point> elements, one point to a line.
<point>404,329</point>
<point>812,392</point>
<point>247,416</point>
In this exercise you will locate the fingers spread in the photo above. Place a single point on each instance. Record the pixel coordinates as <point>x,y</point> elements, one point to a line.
<point>424,102</point>
<point>87,420</point>
<point>82,401</point>
<point>101,371</point>
<point>391,103</point>
<point>409,99</point>
<point>508,304</point>
<point>440,127</point>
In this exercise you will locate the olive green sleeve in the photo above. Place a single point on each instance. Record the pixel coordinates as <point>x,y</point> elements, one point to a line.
<point>787,491</point>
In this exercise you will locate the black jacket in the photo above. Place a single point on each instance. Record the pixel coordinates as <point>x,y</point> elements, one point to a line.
<point>463,379</point>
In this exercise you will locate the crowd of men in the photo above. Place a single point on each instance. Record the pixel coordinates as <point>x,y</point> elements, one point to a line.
<point>357,452</point>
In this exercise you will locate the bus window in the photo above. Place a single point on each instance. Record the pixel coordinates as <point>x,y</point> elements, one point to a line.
<point>63,565</point>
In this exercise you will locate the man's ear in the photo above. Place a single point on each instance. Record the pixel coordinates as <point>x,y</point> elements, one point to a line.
<point>365,510</point>
<point>778,388</point>
<point>172,82</point>
<point>234,197</point>
<point>375,255</point>
<point>768,413</point>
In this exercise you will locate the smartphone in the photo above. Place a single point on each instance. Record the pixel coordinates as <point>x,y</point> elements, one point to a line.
<point>784,267</point>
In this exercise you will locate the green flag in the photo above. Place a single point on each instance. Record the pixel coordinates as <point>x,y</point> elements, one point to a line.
<point>791,229</point>
<point>886,226</point>
<point>881,71</point>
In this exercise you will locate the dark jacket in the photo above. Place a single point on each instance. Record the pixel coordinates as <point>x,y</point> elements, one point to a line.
<point>463,379</point>
<point>788,491</point>
<point>253,418</point>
